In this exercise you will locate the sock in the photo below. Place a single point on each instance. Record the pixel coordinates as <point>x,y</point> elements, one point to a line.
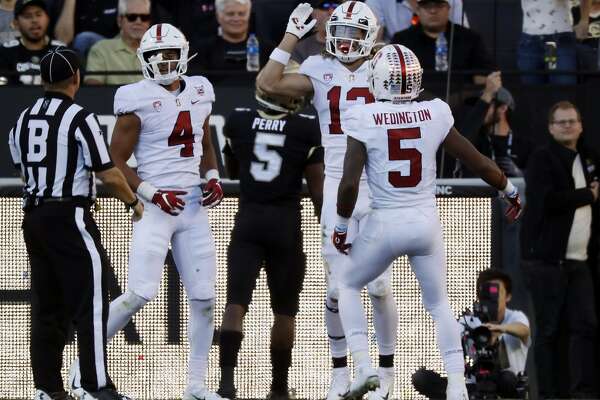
<point>447,331</point>
<point>200,334</point>
<point>281,359</point>
<point>340,362</point>
<point>386,361</point>
<point>121,310</point>
<point>355,324</point>
<point>335,332</point>
<point>229,347</point>
<point>385,319</point>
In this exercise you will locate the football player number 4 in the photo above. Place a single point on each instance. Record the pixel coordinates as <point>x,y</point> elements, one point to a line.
<point>397,153</point>
<point>269,166</point>
<point>183,134</point>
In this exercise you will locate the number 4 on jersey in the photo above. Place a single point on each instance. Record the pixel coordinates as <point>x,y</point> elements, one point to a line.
<point>183,134</point>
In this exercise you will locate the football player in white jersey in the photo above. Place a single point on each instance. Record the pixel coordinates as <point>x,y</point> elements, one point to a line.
<point>337,79</point>
<point>163,120</point>
<point>396,140</point>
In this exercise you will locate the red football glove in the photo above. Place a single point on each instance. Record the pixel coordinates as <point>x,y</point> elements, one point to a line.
<point>168,201</point>
<point>212,194</point>
<point>340,233</point>
<point>514,207</point>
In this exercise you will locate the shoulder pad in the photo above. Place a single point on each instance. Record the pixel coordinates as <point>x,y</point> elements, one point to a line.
<point>307,116</point>
<point>11,43</point>
<point>242,109</point>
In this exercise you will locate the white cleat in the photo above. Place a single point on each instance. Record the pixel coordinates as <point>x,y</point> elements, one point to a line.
<point>340,383</point>
<point>365,380</point>
<point>457,391</point>
<point>201,393</point>
<point>104,394</point>
<point>386,380</point>
<point>75,379</point>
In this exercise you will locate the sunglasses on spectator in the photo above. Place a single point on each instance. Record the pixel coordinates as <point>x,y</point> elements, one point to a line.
<point>328,5</point>
<point>134,17</point>
<point>565,122</point>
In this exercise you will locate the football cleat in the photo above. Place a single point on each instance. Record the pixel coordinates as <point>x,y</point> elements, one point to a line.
<point>104,394</point>
<point>41,395</point>
<point>366,380</point>
<point>75,379</point>
<point>386,380</point>
<point>340,383</point>
<point>201,393</point>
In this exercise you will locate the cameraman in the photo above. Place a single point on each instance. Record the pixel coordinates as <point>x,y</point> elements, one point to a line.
<point>510,330</point>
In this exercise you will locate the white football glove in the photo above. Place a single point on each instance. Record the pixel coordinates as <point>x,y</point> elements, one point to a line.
<point>298,25</point>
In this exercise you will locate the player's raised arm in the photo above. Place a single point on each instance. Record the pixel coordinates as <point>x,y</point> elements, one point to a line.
<point>212,193</point>
<point>462,149</point>
<point>315,176</point>
<point>271,79</point>
<point>125,136</point>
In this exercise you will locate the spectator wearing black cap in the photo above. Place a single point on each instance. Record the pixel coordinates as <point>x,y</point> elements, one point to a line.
<point>20,58</point>
<point>315,42</point>
<point>60,149</point>
<point>468,49</point>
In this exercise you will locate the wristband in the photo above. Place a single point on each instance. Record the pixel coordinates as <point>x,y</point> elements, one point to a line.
<point>342,222</point>
<point>510,190</point>
<point>146,191</point>
<point>211,174</point>
<point>280,56</point>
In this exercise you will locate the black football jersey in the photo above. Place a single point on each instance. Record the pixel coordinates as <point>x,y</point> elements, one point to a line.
<point>272,153</point>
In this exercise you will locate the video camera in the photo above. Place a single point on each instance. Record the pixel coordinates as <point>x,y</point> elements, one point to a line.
<point>484,360</point>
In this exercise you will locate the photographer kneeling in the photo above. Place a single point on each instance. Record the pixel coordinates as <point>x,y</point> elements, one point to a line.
<point>495,341</point>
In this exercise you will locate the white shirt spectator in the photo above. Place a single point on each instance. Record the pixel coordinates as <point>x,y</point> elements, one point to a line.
<point>546,17</point>
<point>516,350</point>
<point>395,16</point>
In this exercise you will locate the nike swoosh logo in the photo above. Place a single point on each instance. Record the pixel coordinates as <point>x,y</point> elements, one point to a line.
<point>194,102</point>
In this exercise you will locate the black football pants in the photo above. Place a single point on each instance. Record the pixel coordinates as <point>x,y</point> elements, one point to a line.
<point>68,286</point>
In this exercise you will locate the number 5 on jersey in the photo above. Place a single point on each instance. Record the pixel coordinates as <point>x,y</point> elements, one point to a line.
<point>397,153</point>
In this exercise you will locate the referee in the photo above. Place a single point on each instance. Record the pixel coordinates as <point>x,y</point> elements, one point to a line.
<point>59,148</point>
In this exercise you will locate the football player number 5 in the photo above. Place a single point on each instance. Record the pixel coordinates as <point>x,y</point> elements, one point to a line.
<point>269,166</point>
<point>397,153</point>
<point>183,134</point>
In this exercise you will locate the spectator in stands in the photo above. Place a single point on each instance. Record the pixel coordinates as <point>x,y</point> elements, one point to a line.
<point>487,126</point>
<point>559,237</point>
<point>23,55</point>
<point>550,21</point>
<point>195,18</point>
<point>227,51</point>
<point>313,44</point>
<point>587,49</point>
<point>469,51</point>
<point>7,29</point>
<point>119,53</point>
<point>397,15</point>
<point>83,23</point>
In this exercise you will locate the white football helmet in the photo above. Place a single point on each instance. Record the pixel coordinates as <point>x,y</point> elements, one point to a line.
<point>395,74</point>
<point>351,31</point>
<point>162,37</point>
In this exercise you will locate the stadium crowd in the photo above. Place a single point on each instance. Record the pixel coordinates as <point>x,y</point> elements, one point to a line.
<point>552,254</point>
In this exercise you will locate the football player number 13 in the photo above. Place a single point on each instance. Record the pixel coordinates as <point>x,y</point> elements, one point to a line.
<point>333,96</point>
<point>183,134</point>
<point>397,153</point>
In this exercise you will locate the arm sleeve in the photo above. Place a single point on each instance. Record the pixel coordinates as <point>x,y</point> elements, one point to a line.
<point>447,119</point>
<point>14,150</point>
<point>93,144</point>
<point>473,121</point>
<point>518,317</point>
<point>96,62</point>
<point>352,125</point>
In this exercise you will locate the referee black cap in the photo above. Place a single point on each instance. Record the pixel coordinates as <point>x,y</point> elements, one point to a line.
<point>58,64</point>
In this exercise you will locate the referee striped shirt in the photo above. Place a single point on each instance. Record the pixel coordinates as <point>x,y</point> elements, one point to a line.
<point>58,145</point>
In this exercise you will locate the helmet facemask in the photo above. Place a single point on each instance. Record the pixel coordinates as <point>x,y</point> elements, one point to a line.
<point>164,66</point>
<point>351,32</point>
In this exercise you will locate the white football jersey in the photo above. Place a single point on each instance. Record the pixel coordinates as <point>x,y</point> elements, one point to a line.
<point>336,90</point>
<point>169,148</point>
<point>401,141</point>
